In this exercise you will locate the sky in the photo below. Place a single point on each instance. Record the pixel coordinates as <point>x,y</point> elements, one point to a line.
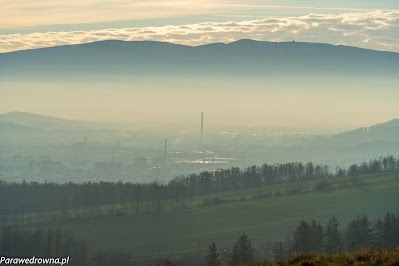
<point>336,105</point>
<point>26,24</point>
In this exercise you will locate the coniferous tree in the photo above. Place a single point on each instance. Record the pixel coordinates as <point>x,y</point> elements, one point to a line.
<point>359,233</point>
<point>317,233</point>
<point>379,234</point>
<point>333,236</point>
<point>390,230</point>
<point>243,251</point>
<point>212,256</point>
<point>302,237</point>
<point>278,251</point>
<point>366,230</point>
<point>309,237</point>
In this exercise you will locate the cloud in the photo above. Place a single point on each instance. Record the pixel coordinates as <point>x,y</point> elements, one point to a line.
<point>28,13</point>
<point>377,30</point>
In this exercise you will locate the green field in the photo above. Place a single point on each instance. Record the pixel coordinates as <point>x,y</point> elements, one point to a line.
<point>261,218</point>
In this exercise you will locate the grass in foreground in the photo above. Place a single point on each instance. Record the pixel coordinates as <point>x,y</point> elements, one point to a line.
<point>362,257</point>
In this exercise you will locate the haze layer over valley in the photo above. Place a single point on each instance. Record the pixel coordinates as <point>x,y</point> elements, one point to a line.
<point>162,86</point>
<point>263,102</point>
<point>40,148</point>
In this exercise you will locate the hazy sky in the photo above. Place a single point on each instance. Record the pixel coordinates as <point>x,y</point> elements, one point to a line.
<point>26,24</point>
<point>227,103</point>
<point>364,23</point>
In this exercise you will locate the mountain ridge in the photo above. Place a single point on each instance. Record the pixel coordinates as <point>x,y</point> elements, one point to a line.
<point>20,118</point>
<point>34,120</point>
<point>113,58</point>
<point>138,54</point>
<point>233,43</point>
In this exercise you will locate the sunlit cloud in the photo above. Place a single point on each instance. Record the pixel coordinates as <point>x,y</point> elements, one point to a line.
<point>377,30</point>
<point>28,13</point>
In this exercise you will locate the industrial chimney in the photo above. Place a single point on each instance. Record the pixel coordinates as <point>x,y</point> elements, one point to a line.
<point>166,151</point>
<point>202,126</point>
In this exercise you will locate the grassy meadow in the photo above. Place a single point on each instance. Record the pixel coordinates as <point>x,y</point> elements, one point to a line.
<point>264,213</point>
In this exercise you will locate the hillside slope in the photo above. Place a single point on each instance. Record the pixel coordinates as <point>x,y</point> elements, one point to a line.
<point>244,56</point>
<point>261,218</point>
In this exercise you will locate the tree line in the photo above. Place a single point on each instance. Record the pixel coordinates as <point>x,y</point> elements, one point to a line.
<point>235,178</point>
<point>359,233</point>
<point>40,203</point>
<point>308,237</point>
<point>36,203</point>
<point>313,237</point>
<point>50,243</point>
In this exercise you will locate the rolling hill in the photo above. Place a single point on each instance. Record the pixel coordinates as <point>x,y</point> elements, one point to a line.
<point>387,131</point>
<point>40,121</point>
<point>250,211</point>
<point>354,145</point>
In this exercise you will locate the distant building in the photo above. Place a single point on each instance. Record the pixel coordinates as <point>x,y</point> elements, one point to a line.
<point>20,164</point>
<point>154,171</point>
<point>104,169</point>
<point>52,169</point>
<point>44,158</point>
<point>18,161</point>
<point>141,163</point>
<point>80,145</point>
<point>158,161</point>
<point>34,167</point>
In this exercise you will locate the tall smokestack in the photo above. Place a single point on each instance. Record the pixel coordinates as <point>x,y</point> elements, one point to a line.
<point>202,126</point>
<point>166,152</point>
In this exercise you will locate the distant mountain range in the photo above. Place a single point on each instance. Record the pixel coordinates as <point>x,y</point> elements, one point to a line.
<point>31,120</point>
<point>18,122</point>
<point>23,127</point>
<point>239,71</point>
<point>21,131</point>
<point>244,56</point>
<point>388,131</point>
